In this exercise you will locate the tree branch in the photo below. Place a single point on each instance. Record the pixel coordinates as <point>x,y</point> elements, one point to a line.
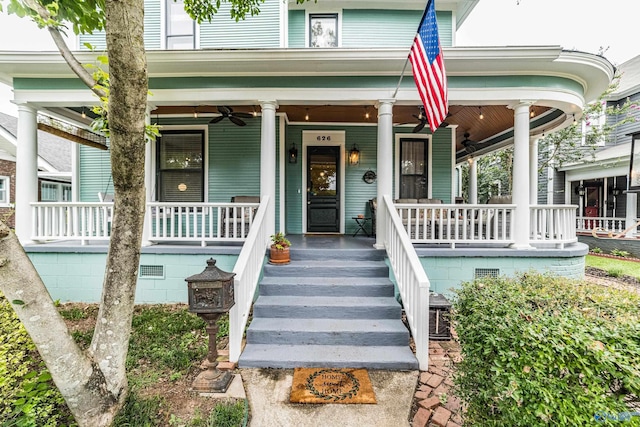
<point>74,64</point>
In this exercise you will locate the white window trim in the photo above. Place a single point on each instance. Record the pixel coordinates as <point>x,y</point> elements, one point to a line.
<point>153,165</point>
<point>396,167</point>
<point>163,28</point>
<point>308,14</point>
<point>6,203</point>
<point>60,189</point>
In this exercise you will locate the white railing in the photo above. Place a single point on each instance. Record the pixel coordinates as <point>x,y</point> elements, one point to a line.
<point>553,224</point>
<point>614,225</point>
<point>248,269</point>
<point>64,221</point>
<point>452,224</point>
<point>168,222</point>
<point>411,278</point>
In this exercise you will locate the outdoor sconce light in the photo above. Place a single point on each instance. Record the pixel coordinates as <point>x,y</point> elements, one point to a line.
<point>615,191</point>
<point>293,154</point>
<point>354,156</point>
<point>581,190</point>
<point>211,295</point>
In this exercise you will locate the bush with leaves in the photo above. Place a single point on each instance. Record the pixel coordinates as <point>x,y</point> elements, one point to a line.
<point>539,350</point>
<point>28,397</point>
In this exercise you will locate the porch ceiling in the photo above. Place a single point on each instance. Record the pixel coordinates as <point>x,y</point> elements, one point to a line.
<point>465,118</point>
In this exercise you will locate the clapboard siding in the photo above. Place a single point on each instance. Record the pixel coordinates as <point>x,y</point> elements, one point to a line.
<point>296,28</point>
<point>153,24</point>
<point>260,31</point>
<point>442,165</point>
<point>94,173</point>
<point>623,132</point>
<point>388,28</point>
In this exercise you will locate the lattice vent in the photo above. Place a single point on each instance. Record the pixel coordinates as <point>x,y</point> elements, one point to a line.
<point>487,272</point>
<point>151,272</point>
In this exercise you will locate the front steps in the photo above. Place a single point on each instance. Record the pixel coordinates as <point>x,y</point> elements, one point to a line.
<point>328,308</point>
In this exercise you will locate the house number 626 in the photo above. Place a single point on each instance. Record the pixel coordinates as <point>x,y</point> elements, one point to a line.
<point>323,138</point>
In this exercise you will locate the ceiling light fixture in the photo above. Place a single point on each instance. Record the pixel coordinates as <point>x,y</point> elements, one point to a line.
<point>575,122</point>
<point>481,115</point>
<point>195,113</point>
<point>306,117</point>
<point>532,113</point>
<point>366,113</point>
<point>255,113</point>
<point>84,115</point>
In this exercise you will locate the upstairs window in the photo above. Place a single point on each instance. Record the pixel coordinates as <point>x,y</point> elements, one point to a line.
<point>323,30</point>
<point>181,29</point>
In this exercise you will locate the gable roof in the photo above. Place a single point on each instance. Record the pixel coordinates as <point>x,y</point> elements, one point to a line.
<point>54,153</point>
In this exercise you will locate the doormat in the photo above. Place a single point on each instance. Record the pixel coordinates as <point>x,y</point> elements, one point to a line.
<point>331,385</point>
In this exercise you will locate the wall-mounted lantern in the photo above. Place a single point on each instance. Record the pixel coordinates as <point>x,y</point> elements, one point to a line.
<point>210,296</point>
<point>354,156</point>
<point>293,154</point>
<point>581,190</point>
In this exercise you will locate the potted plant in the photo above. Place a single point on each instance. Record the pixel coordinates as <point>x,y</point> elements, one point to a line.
<point>279,253</point>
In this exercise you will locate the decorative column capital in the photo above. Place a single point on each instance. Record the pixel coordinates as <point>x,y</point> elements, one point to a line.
<point>26,107</point>
<point>269,105</point>
<point>523,103</point>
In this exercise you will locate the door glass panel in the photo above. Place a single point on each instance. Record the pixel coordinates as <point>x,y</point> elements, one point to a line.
<point>180,167</point>
<point>413,169</point>
<point>323,175</point>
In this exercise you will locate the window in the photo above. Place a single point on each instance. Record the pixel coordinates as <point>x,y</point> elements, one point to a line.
<point>323,30</point>
<point>55,192</point>
<point>4,190</point>
<point>181,28</point>
<point>413,168</point>
<point>181,166</point>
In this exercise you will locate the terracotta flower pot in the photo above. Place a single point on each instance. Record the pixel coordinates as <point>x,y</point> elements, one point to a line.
<point>279,256</point>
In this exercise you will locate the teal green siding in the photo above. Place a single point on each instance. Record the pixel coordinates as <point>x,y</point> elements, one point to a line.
<point>296,28</point>
<point>260,31</point>
<point>95,173</point>
<point>388,28</point>
<point>442,165</point>
<point>153,24</point>
<point>97,40</point>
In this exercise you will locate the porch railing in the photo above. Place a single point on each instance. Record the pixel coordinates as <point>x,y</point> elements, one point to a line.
<point>64,221</point>
<point>411,278</point>
<point>553,224</point>
<point>606,224</point>
<point>169,222</point>
<point>248,269</point>
<point>452,224</point>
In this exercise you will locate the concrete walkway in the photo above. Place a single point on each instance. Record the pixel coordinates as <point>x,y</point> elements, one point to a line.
<point>268,393</point>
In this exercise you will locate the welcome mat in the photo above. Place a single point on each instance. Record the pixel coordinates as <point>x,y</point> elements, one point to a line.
<point>331,385</point>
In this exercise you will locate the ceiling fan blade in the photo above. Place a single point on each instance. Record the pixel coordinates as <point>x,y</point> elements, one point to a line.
<point>444,125</point>
<point>216,119</point>
<point>225,111</point>
<point>237,121</point>
<point>419,127</point>
<point>243,115</point>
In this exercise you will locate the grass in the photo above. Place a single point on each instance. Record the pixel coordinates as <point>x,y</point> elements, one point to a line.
<point>620,267</point>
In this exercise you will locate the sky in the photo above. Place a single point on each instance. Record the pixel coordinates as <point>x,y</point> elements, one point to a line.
<point>586,25</point>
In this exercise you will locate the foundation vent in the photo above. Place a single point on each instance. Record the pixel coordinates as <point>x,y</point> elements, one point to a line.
<point>487,272</point>
<point>151,272</point>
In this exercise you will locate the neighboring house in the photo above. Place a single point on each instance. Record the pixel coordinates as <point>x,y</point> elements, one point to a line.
<point>299,107</point>
<point>54,167</point>
<point>598,186</point>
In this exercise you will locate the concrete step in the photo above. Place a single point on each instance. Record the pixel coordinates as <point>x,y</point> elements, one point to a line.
<point>337,254</point>
<point>328,268</point>
<point>356,332</point>
<point>329,356</point>
<point>327,286</point>
<point>327,307</point>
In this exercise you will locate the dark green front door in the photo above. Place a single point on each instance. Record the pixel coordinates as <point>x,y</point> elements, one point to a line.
<point>323,195</point>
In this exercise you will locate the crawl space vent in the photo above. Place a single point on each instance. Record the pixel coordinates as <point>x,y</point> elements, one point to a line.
<point>151,272</point>
<point>487,272</point>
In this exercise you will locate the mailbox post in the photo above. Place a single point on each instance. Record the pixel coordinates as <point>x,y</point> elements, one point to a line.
<point>210,296</point>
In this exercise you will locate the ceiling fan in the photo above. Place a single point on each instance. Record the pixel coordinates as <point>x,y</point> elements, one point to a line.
<point>423,121</point>
<point>469,145</point>
<point>227,112</point>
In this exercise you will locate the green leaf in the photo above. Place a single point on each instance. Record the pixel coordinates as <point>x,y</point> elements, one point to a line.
<point>17,302</point>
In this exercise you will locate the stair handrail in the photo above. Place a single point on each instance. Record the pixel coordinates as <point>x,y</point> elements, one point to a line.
<point>248,269</point>
<point>412,281</point>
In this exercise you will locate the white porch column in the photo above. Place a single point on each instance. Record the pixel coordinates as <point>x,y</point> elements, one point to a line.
<point>268,160</point>
<point>473,181</point>
<point>533,171</point>
<point>148,183</point>
<point>632,213</point>
<point>520,198</point>
<point>26,170</point>
<point>385,161</point>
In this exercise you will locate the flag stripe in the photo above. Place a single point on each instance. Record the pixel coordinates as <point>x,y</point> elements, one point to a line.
<point>428,68</point>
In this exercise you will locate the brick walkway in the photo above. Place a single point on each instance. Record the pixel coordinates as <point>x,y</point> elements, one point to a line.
<point>433,403</point>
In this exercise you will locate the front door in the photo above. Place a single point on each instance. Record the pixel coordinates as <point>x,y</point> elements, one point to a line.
<point>323,189</point>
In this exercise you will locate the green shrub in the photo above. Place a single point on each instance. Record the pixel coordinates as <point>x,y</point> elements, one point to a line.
<point>620,253</point>
<point>28,397</point>
<point>614,272</point>
<point>596,250</point>
<point>538,351</point>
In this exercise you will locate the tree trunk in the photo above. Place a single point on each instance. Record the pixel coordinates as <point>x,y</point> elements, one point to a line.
<point>77,377</point>
<point>126,115</point>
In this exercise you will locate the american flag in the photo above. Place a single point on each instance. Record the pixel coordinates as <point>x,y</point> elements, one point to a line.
<point>428,68</point>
